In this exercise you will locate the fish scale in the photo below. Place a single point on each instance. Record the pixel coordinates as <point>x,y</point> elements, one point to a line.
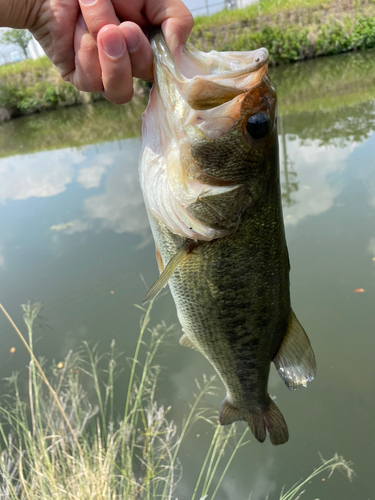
<point>223,252</point>
<point>219,156</point>
<point>219,318</point>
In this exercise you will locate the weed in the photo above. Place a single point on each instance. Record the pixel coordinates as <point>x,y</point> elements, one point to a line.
<point>59,443</point>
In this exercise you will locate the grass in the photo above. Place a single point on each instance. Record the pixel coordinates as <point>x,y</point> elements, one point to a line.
<point>292,42</point>
<point>254,11</point>
<point>33,86</point>
<point>291,30</point>
<point>61,443</point>
<point>63,440</point>
<point>329,89</point>
<point>24,66</point>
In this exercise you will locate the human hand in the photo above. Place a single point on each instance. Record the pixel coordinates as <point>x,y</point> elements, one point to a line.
<point>90,45</point>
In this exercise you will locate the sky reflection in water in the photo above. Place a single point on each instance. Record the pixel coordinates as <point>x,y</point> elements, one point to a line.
<point>74,230</point>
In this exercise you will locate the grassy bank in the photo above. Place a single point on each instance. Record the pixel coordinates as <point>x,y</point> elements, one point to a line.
<point>292,30</point>
<point>61,438</point>
<point>29,86</point>
<point>74,434</point>
<point>33,86</point>
<point>338,90</point>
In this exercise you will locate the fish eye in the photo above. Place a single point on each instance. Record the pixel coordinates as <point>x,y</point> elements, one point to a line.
<point>258,125</point>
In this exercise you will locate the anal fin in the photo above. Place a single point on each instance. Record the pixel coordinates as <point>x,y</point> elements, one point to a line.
<point>295,359</point>
<point>186,342</point>
<point>172,265</point>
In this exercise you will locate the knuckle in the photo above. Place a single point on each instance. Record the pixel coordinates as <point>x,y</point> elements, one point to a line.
<point>88,85</point>
<point>189,21</point>
<point>88,47</point>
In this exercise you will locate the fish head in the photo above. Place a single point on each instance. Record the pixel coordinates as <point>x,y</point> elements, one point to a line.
<point>209,139</point>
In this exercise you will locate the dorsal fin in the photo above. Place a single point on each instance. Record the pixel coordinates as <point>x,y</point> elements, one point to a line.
<point>295,360</point>
<point>175,261</point>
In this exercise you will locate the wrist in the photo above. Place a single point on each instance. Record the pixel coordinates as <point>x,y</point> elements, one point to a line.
<point>19,14</point>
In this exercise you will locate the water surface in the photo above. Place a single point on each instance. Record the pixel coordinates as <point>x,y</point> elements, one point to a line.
<point>74,234</point>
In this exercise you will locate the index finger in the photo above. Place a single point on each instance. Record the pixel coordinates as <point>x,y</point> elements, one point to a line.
<point>174,18</point>
<point>97,14</point>
<point>172,15</point>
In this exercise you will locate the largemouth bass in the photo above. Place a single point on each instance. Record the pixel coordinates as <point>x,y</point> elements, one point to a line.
<point>209,173</point>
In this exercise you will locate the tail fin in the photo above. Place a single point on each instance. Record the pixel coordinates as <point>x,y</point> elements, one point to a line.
<point>261,422</point>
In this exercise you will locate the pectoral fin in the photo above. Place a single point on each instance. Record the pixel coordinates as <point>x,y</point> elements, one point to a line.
<point>159,260</point>
<point>172,265</point>
<point>295,360</point>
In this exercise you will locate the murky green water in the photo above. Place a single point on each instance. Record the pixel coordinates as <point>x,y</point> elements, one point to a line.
<point>74,234</point>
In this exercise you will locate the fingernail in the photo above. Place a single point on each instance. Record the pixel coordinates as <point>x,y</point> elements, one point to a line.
<point>87,2</point>
<point>172,40</point>
<point>113,43</point>
<point>132,39</point>
<point>172,44</point>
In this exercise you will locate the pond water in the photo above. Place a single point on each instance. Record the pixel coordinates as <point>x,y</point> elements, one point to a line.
<point>74,235</point>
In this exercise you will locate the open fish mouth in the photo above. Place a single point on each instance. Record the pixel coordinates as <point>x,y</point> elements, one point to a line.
<point>210,79</point>
<point>198,103</point>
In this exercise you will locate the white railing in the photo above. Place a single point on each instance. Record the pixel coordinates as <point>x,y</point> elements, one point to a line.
<point>210,8</point>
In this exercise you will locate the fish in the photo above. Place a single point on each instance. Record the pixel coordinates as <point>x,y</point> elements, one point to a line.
<point>209,173</point>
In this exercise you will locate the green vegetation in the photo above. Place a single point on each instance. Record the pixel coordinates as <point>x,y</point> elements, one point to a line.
<point>325,84</point>
<point>72,127</point>
<point>328,99</point>
<point>33,86</point>
<point>28,87</point>
<point>290,30</point>
<point>325,99</point>
<point>56,442</point>
<point>17,37</point>
<point>267,11</point>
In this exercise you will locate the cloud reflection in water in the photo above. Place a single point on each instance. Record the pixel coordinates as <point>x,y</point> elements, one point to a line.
<point>314,163</point>
<point>91,177</point>
<point>121,206</point>
<point>39,175</point>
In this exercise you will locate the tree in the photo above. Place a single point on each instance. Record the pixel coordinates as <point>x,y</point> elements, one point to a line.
<point>17,37</point>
